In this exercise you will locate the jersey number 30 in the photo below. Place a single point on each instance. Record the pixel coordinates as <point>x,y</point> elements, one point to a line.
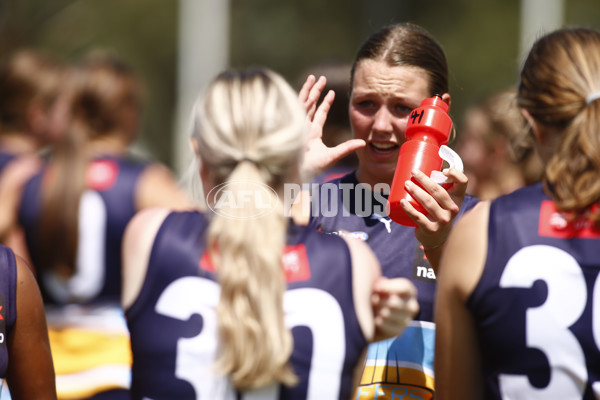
<point>313,308</point>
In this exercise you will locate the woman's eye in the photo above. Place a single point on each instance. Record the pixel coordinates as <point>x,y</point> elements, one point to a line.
<point>365,104</point>
<point>402,110</point>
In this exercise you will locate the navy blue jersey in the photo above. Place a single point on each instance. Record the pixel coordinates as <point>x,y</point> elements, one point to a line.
<point>173,321</point>
<point>106,207</point>
<point>400,366</point>
<point>537,304</point>
<point>88,335</point>
<point>8,302</point>
<point>5,159</point>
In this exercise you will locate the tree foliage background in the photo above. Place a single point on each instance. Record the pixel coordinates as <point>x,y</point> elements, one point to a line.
<point>481,40</point>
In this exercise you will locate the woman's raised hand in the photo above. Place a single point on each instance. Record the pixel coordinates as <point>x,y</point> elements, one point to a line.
<point>318,157</point>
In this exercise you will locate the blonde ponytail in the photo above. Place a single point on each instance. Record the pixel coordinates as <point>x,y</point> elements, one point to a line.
<point>255,345</point>
<point>250,131</point>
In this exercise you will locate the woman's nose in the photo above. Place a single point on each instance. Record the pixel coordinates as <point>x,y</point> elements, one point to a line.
<point>383,120</point>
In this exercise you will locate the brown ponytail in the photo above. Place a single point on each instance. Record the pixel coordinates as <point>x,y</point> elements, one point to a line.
<point>562,69</point>
<point>103,89</point>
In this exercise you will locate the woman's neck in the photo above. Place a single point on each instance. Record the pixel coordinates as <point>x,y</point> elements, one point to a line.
<point>18,143</point>
<point>110,144</point>
<point>362,176</point>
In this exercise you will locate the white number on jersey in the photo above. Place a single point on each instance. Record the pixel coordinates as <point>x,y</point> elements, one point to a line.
<point>313,308</point>
<point>548,325</point>
<point>89,276</point>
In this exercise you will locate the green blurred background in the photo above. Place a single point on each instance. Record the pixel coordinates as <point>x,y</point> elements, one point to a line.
<point>481,40</point>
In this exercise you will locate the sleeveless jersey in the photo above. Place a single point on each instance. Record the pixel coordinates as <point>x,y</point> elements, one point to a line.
<point>87,330</point>
<point>8,302</point>
<point>401,366</point>
<point>537,304</point>
<point>173,320</point>
<point>5,159</point>
<point>106,207</point>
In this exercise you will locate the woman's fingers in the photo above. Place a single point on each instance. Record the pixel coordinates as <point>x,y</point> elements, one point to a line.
<point>320,116</point>
<point>305,90</point>
<point>395,305</point>
<point>431,195</point>
<point>440,206</point>
<point>310,93</point>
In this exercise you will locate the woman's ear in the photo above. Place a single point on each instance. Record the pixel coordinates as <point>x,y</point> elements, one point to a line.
<point>204,171</point>
<point>194,145</point>
<point>37,119</point>
<point>535,127</point>
<point>446,98</point>
<point>526,115</point>
<point>544,138</point>
<point>206,177</point>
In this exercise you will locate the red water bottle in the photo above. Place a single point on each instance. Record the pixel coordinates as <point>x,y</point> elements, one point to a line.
<point>427,130</point>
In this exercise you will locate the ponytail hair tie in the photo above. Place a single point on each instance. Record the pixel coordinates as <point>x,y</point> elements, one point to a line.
<point>233,163</point>
<point>591,98</point>
<point>246,159</point>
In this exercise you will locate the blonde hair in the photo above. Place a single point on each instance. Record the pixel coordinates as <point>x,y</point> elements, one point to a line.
<point>561,70</point>
<point>250,129</point>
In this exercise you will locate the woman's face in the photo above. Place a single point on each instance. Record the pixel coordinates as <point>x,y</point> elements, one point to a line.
<point>476,143</point>
<point>381,100</point>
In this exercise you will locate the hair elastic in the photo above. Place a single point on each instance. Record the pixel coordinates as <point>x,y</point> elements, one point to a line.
<point>246,159</point>
<point>592,97</point>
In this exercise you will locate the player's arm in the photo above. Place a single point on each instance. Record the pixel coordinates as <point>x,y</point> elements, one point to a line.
<point>30,370</point>
<point>138,240</point>
<point>12,181</point>
<point>457,362</point>
<point>158,187</point>
<point>365,272</point>
<point>384,307</point>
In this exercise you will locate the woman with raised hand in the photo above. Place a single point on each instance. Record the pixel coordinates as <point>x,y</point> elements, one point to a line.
<point>517,308</point>
<point>395,69</point>
<point>241,301</point>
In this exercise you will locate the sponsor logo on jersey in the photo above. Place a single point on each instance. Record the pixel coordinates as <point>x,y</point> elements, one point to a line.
<point>555,224</point>
<point>2,321</point>
<point>360,235</point>
<point>206,263</point>
<point>295,263</point>
<point>102,174</point>
<point>400,367</point>
<point>387,222</point>
<point>386,391</point>
<point>422,270</point>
